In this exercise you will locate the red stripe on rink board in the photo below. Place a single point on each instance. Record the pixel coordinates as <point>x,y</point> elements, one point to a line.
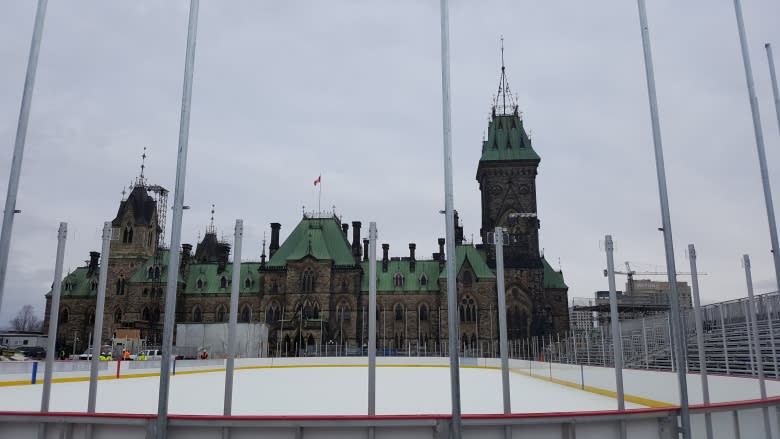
<point>736,404</point>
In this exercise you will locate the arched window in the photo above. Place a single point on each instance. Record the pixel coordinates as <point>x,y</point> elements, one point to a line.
<point>423,313</point>
<point>398,280</point>
<point>467,279</point>
<point>245,314</point>
<point>127,235</point>
<point>197,314</point>
<point>157,272</point>
<point>399,312</point>
<point>199,284</point>
<point>150,273</point>
<point>93,286</point>
<point>120,285</point>
<point>247,283</point>
<point>343,311</point>
<point>468,310</point>
<point>423,280</point>
<point>64,315</point>
<point>272,314</point>
<point>223,282</point>
<point>156,314</point>
<point>220,314</point>
<point>316,311</point>
<point>117,315</point>
<point>308,280</point>
<point>146,315</point>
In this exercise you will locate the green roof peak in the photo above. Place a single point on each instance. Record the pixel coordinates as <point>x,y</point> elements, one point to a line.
<point>507,140</point>
<point>320,238</point>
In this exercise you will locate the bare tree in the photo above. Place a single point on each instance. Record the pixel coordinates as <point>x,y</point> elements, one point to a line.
<point>26,320</point>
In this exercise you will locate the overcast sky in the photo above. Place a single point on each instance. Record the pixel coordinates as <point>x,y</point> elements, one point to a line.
<point>285,91</point>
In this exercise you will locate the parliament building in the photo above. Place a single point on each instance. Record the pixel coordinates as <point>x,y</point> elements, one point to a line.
<point>312,287</point>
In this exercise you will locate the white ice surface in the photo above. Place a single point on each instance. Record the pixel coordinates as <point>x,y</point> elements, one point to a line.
<point>315,391</point>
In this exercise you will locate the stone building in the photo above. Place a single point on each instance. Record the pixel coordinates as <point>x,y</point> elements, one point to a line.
<point>313,288</point>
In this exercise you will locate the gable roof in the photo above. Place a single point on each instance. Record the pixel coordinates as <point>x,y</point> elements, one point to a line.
<point>411,281</point>
<point>476,259</point>
<point>81,281</point>
<point>321,238</point>
<point>553,279</point>
<point>142,204</point>
<point>507,140</point>
<point>211,279</point>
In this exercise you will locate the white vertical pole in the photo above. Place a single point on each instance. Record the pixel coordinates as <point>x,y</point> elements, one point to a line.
<point>238,235</point>
<point>674,297</point>
<point>617,350</point>
<point>723,336</point>
<point>757,345</point>
<point>773,76</point>
<point>705,387</point>
<point>178,209</point>
<point>452,294</point>
<point>372,235</point>
<point>502,323</point>
<point>759,135</point>
<point>21,136</point>
<point>97,333</point>
<point>644,343</point>
<point>54,317</point>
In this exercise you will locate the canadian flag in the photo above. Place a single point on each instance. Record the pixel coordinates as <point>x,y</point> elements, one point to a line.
<point>318,180</point>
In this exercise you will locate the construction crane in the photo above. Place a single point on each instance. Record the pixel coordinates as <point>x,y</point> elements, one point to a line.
<point>630,274</point>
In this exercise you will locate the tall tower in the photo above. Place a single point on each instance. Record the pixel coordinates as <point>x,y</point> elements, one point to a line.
<point>507,180</point>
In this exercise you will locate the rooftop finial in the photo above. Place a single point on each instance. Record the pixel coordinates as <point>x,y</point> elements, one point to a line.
<point>141,180</point>
<point>123,193</point>
<point>504,103</point>
<point>212,229</point>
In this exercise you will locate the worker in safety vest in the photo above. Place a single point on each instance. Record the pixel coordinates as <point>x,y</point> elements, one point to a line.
<point>126,355</point>
<point>142,356</point>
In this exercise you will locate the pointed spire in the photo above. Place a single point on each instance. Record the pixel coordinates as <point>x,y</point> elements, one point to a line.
<point>504,102</point>
<point>123,193</point>
<point>141,180</point>
<point>211,228</point>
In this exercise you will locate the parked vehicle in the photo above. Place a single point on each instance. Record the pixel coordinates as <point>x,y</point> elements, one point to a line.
<point>148,354</point>
<point>87,355</point>
<point>35,352</point>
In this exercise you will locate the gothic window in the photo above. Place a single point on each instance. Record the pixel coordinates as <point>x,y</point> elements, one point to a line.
<point>150,273</point>
<point>199,284</point>
<point>308,310</point>
<point>245,315</point>
<point>156,314</point>
<point>157,272</point>
<point>64,315</point>
<point>399,312</point>
<point>247,283</point>
<point>120,286</point>
<point>68,285</point>
<point>93,286</point>
<point>220,314</point>
<point>274,286</point>
<point>272,314</point>
<point>308,280</point>
<point>146,315</point>
<point>468,310</point>
<point>117,315</point>
<point>343,286</point>
<point>316,311</point>
<point>398,280</point>
<point>467,279</point>
<point>127,235</point>
<point>197,314</point>
<point>423,280</point>
<point>344,311</point>
<point>149,238</point>
<point>423,313</point>
<point>223,282</point>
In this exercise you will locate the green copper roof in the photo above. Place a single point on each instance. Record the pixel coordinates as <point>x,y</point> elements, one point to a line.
<point>410,282</point>
<point>142,274</point>
<point>507,140</point>
<point>553,279</point>
<point>79,283</point>
<point>211,281</point>
<point>321,238</point>
<point>476,259</point>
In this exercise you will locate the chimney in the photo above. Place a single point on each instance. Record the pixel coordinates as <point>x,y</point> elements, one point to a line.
<point>94,261</point>
<point>442,256</point>
<point>365,249</point>
<point>356,250</point>
<point>412,261</point>
<point>385,249</point>
<point>274,239</point>
<point>223,251</point>
<point>186,250</point>
<point>345,229</point>
<point>458,230</point>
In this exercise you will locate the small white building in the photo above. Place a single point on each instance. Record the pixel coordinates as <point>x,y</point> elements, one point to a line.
<point>14,339</point>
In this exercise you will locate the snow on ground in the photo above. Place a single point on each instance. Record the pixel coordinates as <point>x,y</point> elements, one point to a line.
<point>315,391</point>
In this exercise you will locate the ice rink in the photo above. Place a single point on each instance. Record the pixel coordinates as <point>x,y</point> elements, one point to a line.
<point>315,391</point>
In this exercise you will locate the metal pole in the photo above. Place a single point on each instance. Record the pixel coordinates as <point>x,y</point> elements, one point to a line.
<point>97,333</point>
<point>644,343</point>
<point>617,350</point>
<point>178,209</point>
<point>756,344</point>
<point>759,135</point>
<point>771,309</point>
<point>54,317</point>
<point>238,235</point>
<point>723,336</point>
<point>502,324</point>
<point>21,136</point>
<point>452,294</point>
<point>666,221</point>
<point>773,76</point>
<point>372,235</point>
<point>746,313</point>
<point>705,387</point>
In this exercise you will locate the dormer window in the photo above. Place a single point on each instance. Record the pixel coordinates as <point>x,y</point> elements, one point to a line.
<point>398,280</point>
<point>199,284</point>
<point>93,286</point>
<point>150,273</point>
<point>197,315</point>
<point>247,283</point>
<point>423,280</point>
<point>157,272</point>
<point>223,282</point>
<point>467,279</point>
<point>68,286</point>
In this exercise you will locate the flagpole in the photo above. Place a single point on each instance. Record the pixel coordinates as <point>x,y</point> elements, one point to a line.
<point>319,197</point>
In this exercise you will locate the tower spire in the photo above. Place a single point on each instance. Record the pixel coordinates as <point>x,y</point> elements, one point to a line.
<point>504,102</point>
<point>141,180</point>
<point>211,228</point>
